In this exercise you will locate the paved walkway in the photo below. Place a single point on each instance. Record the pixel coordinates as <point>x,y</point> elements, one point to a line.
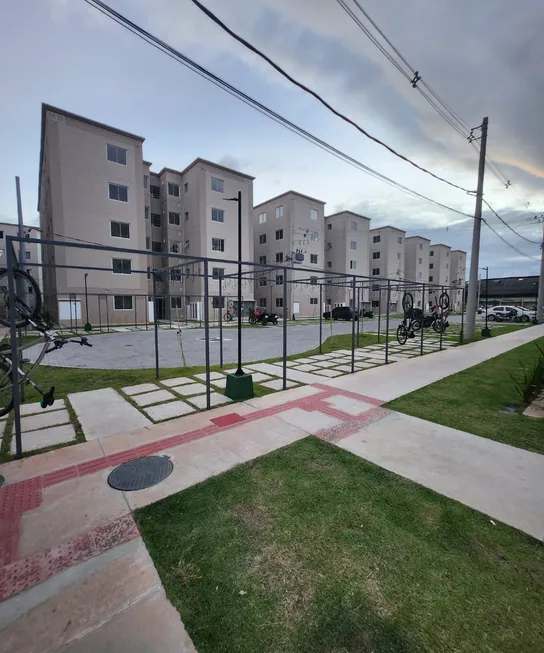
<point>74,574</point>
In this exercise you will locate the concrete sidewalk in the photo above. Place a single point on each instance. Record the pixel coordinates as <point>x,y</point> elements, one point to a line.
<point>74,573</point>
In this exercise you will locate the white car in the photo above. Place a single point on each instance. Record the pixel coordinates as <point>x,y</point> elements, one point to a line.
<point>506,311</point>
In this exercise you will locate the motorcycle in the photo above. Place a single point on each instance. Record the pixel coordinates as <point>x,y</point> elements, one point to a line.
<point>263,318</point>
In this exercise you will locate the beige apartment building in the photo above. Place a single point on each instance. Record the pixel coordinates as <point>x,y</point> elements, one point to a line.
<point>416,266</point>
<point>387,261</point>
<point>33,253</point>
<point>439,270</point>
<point>458,268</point>
<point>289,230</point>
<point>347,252</point>
<point>95,186</point>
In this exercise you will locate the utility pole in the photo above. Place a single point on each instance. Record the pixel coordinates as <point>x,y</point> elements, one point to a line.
<point>477,228</point>
<point>540,298</point>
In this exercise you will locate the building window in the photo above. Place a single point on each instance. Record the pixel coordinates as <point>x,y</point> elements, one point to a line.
<point>420,245</point>
<point>419,275</point>
<point>156,219</point>
<point>279,257</point>
<point>447,254</point>
<point>313,300</point>
<point>217,273</point>
<point>146,212</point>
<point>148,272</point>
<point>431,278</point>
<point>122,266</point>
<point>399,240</point>
<point>398,256</point>
<point>353,244</point>
<point>376,239</point>
<point>118,193</point>
<point>147,242</point>
<point>313,258</point>
<point>262,239</point>
<point>279,280</point>
<point>353,225</point>
<point>353,265</point>
<point>175,302</point>
<point>175,275</point>
<point>262,281</point>
<point>218,215</point>
<point>375,255</point>
<point>447,266</point>
<point>175,246</point>
<point>262,302</point>
<point>279,302</point>
<point>279,234</point>
<point>218,302</point>
<point>314,214</point>
<point>146,182</point>
<point>329,264</point>
<point>174,218</point>
<point>375,303</point>
<point>173,189</point>
<point>120,229</point>
<point>262,260</point>
<point>218,244</point>
<point>314,236</point>
<point>431,253</point>
<point>329,245</point>
<point>117,154</point>
<point>185,187</point>
<point>431,266</point>
<point>420,261</point>
<point>218,185</point>
<point>375,271</point>
<point>279,211</point>
<point>155,192</point>
<point>27,255</point>
<point>122,302</point>
<point>156,246</point>
<point>329,226</point>
<point>186,216</point>
<point>262,218</point>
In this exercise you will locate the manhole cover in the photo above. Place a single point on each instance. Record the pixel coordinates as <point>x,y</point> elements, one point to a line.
<point>140,473</point>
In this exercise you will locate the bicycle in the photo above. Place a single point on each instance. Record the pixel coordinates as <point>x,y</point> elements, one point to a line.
<point>27,313</point>
<point>230,313</point>
<point>411,322</point>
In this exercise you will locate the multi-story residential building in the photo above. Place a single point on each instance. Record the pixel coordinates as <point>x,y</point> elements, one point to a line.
<point>289,230</point>
<point>346,252</point>
<point>458,269</point>
<point>439,269</point>
<point>387,262</point>
<point>33,253</point>
<point>416,266</point>
<point>95,186</point>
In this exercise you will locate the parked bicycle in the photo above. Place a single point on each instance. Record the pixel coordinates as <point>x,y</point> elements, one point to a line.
<point>230,312</point>
<point>414,319</point>
<point>27,313</point>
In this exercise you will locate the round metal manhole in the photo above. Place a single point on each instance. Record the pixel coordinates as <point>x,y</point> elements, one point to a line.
<point>140,473</point>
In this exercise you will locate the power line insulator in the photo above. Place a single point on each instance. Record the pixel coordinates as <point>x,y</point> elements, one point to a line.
<point>508,184</point>
<point>415,79</point>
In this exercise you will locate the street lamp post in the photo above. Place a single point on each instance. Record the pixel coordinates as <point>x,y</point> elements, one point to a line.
<point>87,326</point>
<point>486,333</point>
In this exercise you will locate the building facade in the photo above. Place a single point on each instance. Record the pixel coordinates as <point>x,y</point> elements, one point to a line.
<point>416,266</point>
<point>33,252</point>
<point>289,230</point>
<point>439,271</point>
<point>346,253</point>
<point>458,265</point>
<point>387,263</point>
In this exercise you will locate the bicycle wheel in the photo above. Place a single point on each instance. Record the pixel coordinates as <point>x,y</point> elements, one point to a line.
<point>6,389</point>
<point>402,334</point>
<point>444,301</point>
<point>227,317</point>
<point>439,325</point>
<point>407,303</point>
<point>25,309</point>
<point>416,325</point>
<point>252,319</point>
<point>230,304</point>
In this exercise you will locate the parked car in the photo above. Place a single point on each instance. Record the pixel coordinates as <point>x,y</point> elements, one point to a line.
<point>506,312</point>
<point>340,313</point>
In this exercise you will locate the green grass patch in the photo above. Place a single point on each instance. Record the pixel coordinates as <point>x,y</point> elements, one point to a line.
<point>313,550</point>
<point>472,400</point>
<point>496,330</point>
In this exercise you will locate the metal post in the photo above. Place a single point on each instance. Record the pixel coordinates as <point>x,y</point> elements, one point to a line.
<point>353,316</point>
<point>146,312</point>
<point>441,318</point>
<point>86,300</point>
<point>207,332</point>
<point>359,313</point>
<point>379,311</point>
<point>239,370</point>
<point>108,313</point>
<point>70,299</point>
<point>220,322</point>
<point>539,316</point>
<point>320,319</point>
<point>422,317</point>
<point>477,227</point>
<point>99,313</point>
<point>387,322</point>
<point>462,335</point>
<point>14,350</point>
<point>135,311</point>
<point>284,325</point>
<point>156,324</point>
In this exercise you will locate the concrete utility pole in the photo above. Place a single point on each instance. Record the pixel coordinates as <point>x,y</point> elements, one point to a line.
<point>475,251</point>
<point>540,298</point>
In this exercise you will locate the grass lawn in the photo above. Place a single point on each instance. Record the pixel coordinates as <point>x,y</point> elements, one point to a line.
<point>496,330</point>
<point>472,400</point>
<point>313,550</point>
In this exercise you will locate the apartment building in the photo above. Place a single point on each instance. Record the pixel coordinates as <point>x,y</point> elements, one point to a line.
<point>458,269</point>
<point>439,265</point>
<point>387,261</point>
<point>346,252</point>
<point>33,252</point>
<point>95,186</point>
<point>416,266</point>
<point>289,230</point>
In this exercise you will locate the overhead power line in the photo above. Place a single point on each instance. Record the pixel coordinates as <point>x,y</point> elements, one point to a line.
<point>533,258</point>
<point>534,242</point>
<point>235,92</point>
<point>345,118</point>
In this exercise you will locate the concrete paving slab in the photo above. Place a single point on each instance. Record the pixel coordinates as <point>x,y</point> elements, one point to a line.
<point>311,422</point>
<point>349,405</point>
<point>219,383</point>
<point>363,365</point>
<point>35,422</point>
<point>277,384</point>
<point>216,399</point>
<point>191,389</point>
<point>178,380</point>
<point>213,376</point>
<point>139,389</point>
<point>45,437</point>
<point>303,361</point>
<point>287,364</point>
<point>258,377</point>
<point>102,413</point>
<point>343,368</point>
<point>31,409</point>
<point>156,397</point>
<point>307,368</point>
<point>329,373</point>
<point>169,411</point>
<point>501,481</point>
<point>279,398</point>
<point>292,374</point>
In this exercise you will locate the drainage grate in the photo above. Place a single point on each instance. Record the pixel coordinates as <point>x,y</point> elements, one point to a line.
<point>140,473</point>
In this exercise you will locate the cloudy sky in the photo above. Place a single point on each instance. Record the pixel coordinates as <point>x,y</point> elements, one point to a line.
<point>483,58</point>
